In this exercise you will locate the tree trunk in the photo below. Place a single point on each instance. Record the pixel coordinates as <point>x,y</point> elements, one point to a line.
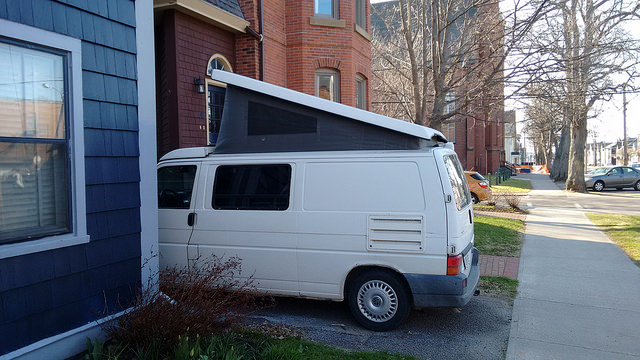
<point>560,167</point>
<point>575,178</point>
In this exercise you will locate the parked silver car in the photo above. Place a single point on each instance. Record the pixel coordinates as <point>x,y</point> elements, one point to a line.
<point>616,177</point>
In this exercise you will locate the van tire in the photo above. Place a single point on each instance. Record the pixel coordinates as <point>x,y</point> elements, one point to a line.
<point>378,300</point>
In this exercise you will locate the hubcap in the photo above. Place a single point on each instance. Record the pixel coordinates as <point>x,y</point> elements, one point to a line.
<point>599,186</point>
<point>377,301</point>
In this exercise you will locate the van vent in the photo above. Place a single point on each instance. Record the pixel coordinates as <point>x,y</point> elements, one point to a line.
<point>395,233</point>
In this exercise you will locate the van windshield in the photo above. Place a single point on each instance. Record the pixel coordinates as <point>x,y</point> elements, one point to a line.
<point>460,188</point>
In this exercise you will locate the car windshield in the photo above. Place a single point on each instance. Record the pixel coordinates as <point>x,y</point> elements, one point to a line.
<point>598,171</point>
<point>477,176</point>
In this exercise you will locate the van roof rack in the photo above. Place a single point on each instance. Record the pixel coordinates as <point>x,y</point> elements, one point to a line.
<point>189,153</point>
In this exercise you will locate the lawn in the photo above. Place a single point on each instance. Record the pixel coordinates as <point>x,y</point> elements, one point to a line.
<point>498,236</point>
<point>499,286</point>
<point>512,185</point>
<point>624,230</point>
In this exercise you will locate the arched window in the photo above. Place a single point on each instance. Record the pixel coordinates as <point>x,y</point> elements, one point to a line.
<point>215,97</point>
<point>218,62</point>
<point>328,84</point>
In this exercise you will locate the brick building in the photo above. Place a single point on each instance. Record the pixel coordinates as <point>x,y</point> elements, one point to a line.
<point>319,47</point>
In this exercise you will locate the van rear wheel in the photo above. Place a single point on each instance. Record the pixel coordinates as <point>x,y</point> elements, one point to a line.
<point>378,300</point>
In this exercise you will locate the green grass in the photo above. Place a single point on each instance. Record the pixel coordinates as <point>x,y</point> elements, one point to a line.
<point>498,286</point>
<point>512,185</point>
<point>624,230</point>
<point>240,344</point>
<point>498,236</point>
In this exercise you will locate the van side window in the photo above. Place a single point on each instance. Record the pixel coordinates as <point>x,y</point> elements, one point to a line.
<point>461,192</point>
<point>175,185</point>
<point>252,187</point>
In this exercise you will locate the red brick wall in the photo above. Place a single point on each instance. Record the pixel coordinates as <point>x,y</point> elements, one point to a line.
<point>247,46</point>
<point>187,57</point>
<point>310,47</point>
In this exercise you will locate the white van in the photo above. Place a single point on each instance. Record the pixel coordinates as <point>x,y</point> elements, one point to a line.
<point>384,229</point>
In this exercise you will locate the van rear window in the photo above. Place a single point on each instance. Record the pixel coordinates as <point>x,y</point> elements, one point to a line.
<point>252,187</point>
<point>459,185</point>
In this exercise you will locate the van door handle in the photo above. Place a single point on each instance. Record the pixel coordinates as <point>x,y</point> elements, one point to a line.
<point>191,219</point>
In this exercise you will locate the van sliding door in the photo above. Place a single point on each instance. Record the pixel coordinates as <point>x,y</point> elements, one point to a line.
<point>176,209</point>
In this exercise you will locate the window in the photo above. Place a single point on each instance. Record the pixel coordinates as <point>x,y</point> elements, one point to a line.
<point>361,14</point>
<point>361,92</point>
<point>449,131</point>
<point>175,185</point>
<point>459,185</point>
<point>268,120</point>
<point>215,97</point>
<point>328,84</point>
<point>34,171</point>
<point>450,99</point>
<point>218,62</point>
<point>252,187</point>
<point>42,196</point>
<point>326,8</point>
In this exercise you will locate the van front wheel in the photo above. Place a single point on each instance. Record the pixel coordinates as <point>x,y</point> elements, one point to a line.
<point>378,300</point>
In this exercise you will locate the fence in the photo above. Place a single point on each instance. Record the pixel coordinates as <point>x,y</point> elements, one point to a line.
<point>501,175</point>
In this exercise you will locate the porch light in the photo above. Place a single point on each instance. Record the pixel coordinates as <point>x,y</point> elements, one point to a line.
<point>199,83</point>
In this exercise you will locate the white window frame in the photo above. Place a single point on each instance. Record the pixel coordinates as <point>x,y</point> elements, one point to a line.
<point>450,102</point>
<point>336,83</point>
<point>361,81</point>
<point>78,213</point>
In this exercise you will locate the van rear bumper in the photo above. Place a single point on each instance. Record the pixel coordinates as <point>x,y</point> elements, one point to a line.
<point>444,290</point>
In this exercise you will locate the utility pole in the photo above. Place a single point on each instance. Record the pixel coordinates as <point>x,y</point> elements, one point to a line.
<point>624,126</point>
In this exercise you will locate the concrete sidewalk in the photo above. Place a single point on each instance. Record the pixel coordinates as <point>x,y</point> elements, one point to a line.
<point>578,294</point>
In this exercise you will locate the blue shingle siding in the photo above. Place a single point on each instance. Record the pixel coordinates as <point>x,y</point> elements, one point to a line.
<point>50,292</point>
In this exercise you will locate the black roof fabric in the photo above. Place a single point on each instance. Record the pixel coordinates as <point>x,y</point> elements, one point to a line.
<point>253,122</point>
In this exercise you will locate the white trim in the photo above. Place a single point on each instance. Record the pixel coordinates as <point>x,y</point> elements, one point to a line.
<point>222,59</point>
<point>147,143</point>
<point>63,345</point>
<point>76,141</point>
<point>325,105</point>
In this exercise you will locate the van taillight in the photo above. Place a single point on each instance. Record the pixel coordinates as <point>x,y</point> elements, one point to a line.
<point>453,264</point>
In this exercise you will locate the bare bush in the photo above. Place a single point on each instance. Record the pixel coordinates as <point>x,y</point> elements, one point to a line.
<point>510,198</point>
<point>205,298</point>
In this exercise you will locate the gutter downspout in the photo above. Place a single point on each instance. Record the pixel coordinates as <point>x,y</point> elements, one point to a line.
<point>261,29</point>
<point>260,37</point>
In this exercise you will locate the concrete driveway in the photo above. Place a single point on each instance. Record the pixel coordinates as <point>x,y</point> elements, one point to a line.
<point>480,330</point>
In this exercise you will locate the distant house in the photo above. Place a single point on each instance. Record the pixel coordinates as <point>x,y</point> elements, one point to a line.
<point>318,47</point>
<point>78,209</point>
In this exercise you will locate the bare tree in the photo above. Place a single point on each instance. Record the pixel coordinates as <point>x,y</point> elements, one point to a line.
<point>544,122</point>
<point>434,59</point>
<point>581,48</point>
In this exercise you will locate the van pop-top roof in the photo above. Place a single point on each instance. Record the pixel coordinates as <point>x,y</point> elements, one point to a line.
<point>259,117</point>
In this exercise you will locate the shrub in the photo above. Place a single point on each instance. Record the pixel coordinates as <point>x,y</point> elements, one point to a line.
<point>203,299</point>
<point>512,199</point>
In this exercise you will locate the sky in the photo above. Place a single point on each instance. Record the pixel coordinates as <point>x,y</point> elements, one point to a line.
<point>607,126</point>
